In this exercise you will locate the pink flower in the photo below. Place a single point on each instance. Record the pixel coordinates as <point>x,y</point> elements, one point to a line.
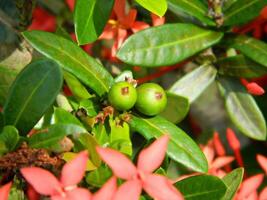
<point>141,176</point>
<point>262,160</point>
<point>4,191</point>
<point>66,188</point>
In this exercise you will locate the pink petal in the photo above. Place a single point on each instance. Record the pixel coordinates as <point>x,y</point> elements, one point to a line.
<point>232,139</point>
<point>73,171</point>
<point>209,153</point>
<point>129,190</point>
<point>4,191</point>
<point>121,166</point>
<point>156,20</point>
<point>79,194</point>
<point>263,194</point>
<point>138,26</point>
<point>151,157</point>
<point>254,89</point>
<point>107,191</point>
<point>250,185</point>
<point>218,144</point>
<point>108,33</point>
<point>160,188</point>
<point>122,34</point>
<point>262,160</point>
<point>252,196</point>
<point>43,181</point>
<point>221,162</point>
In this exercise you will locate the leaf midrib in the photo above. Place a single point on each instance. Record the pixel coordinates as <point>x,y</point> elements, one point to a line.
<point>194,6</point>
<point>203,193</point>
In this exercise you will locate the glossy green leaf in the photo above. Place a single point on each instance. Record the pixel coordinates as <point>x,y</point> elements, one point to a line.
<point>72,59</point>
<point>90,143</point>
<point>242,11</point>
<point>90,17</point>
<point>32,93</point>
<point>158,7</point>
<point>195,82</point>
<point>255,49</point>
<point>201,187</point>
<point>101,135</point>
<point>176,109</point>
<point>232,182</point>
<point>64,117</point>
<point>90,106</point>
<point>152,47</point>
<point>77,89</point>
<point>120,136</point>
<point>63,33</point>
<point>54,134</point>
<point>242,109</point>
<point>10,137</point>
<point>181,147</point>
<point>193,8</point>
<point>240,66</point>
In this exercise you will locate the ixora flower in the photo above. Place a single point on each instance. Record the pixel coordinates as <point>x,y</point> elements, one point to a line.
<point>141,176</point>
<point>66,188</point>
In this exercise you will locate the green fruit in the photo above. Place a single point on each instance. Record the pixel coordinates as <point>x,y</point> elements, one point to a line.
<point>151,99</point>
<point>122,96</point>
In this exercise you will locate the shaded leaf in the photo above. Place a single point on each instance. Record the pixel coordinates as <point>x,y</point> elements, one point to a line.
<point>158,7</point>
<point>242,109</point>
<point>194,83</point>
<point>10,137</point>
<point>68,156</point>
<point>90,106</point>
<point>64,117</point>
<point>72,59</point>
<point>152,47</point>
<point>90,17</point>
<point>181,147</point>
<point>31,94</point>
<point>99,176</point>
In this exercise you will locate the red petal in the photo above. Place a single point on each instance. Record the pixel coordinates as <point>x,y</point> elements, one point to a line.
<point>250,185</point>
<point>129,190</point>
<point>218,144</point>
<point>138,26</point>
<point>263,194</point>
<point>107,191</point>
<point>254,89</point>
<point>71,4</point>
<point>32,194</point>
<point>151,157</point>
<point>156,20</point>
<point>232,139</point>
<point>73,172</point>
<point>43,181</point>
<point>262,160</point>
<point>119,8</point>
<point>160,188</point>
<point>4,191</point>
<point>79,194</point>
<point>221,162</point>
<point>128,20</point>
<point>121,166</point>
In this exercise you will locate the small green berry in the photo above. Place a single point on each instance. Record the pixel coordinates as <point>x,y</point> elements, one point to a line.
<point>122,96</point>
<point>151,99</point>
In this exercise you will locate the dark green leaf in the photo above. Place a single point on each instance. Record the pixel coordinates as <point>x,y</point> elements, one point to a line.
<point>31,94</point>
<point>54,134</point>
<point>194,8</point>
<point>63,33</point>
<point>240,66</point>
<point>64,117</point>
<point>99,176</point>
<point>10,137</point>
<point>250,47</point>
<point>232,182</point>
<point>158,7</point>
<point>194,83</point>
<point>3,148</point>
<point>181,147</point>
<point>72,58</point>
<point>201,187</point>
<point>153,47</point>
<point>242,11</point>
<point>176,109</point>
<point>242,109</point>
<point>90,17</point>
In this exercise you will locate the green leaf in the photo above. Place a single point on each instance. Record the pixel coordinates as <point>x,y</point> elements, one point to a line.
<point>250,47</point>
<point>232,182</point>
<point>240,66</point>
<point>72,59</point>
<point>99,176</point>
<point>90,143</point>
<point>242,109</point>
<point>63,33</point>
<point>152,47</point>
<point>101,135</point>
<point>10,137</point>
<point>3,148</point>
<point>120,136</point>
<point>158,7</point>
<point>90,18</point>
<point>31,94</point>
<point>176,109</point>
<point>201,187</point>
<point>181,147</point>
<point>77,89</point>
<point>195,82</point>
<point>64,117</point>
<point>124,75</point>
<point>194,8</point>
<point>54,134</point>
<point>90,106</point>
<point>242,11</point>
